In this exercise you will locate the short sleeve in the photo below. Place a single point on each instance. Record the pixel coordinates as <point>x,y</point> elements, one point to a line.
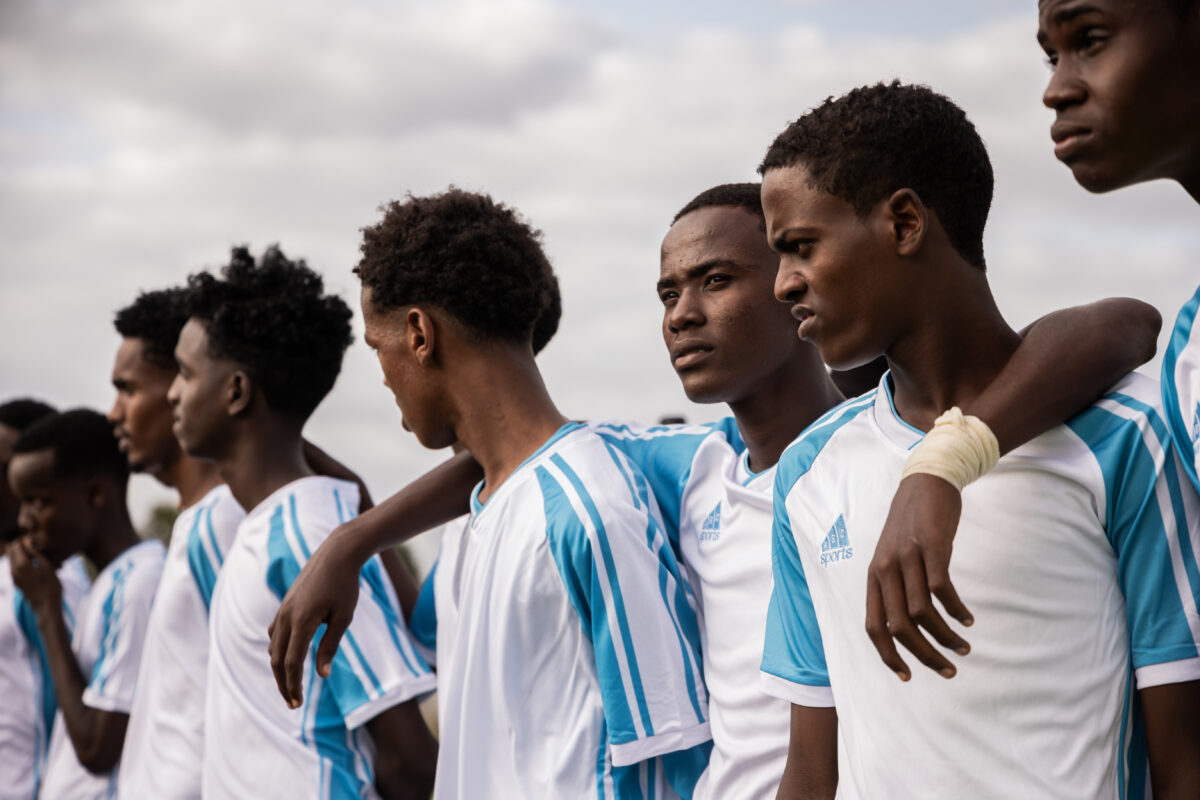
<point>1151,522</point>
<point>125,613</point>
<point>793,664</point>
<point>1181,388</point>
<point>376,665</point>
<point>423,623</point>
<point>623,580</point>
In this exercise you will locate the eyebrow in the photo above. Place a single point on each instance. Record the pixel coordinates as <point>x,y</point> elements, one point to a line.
<point>700,269</point>
<point>780,240</point>
<point>1065,14</point>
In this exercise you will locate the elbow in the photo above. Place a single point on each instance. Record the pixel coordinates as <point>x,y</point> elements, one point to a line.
<point>1150,322</point>
<point>1142,323</point>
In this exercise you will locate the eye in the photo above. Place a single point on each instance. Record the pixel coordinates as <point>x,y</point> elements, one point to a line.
<point>1087,40</point>
<point>668,296</point>
<point>716,280</point>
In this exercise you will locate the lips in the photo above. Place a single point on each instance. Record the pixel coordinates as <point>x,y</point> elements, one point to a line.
<point>1068,138</point>
<point>803,315</point>
<point>689,354</point>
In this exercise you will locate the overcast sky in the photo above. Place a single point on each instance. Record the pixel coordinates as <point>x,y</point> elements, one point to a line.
<point>138,141</point>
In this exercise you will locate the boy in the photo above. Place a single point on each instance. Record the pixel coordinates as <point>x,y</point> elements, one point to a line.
<point>71,479</point>
<point>889,259</point>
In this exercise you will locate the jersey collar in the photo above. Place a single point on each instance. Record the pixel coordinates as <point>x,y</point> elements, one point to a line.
<point>893,427</point>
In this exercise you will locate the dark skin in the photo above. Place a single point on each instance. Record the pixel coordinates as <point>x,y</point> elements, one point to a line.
<point>932,314</point>
<point>810,772</point>
<point>61,517</point>
<point>1126,111</point>
<point>222,415</point>
<point>9,505</point>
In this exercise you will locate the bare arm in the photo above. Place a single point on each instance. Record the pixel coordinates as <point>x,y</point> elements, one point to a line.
<point>405,753</point>
<point>1067,360</point>
<point>322,463</point>
<point>811,771</point>
<point>1172,718</point>
<point>326,591</point>
<point>97,736</point>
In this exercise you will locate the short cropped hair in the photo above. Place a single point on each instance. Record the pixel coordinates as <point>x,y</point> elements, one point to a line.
<point>274,318</point>
<point>82,442</point>
<point>156,318</point>
<point>22,412</point>
<point>733,195</point>
<point>875,140</point>
<point>547,324</point>
<point>461,252</point>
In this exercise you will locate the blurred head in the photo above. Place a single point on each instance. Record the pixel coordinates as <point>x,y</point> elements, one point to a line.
<point>455,263</point>
<point>142,373</point>
<point>264,338</point>
<point>725,332</point>
<point>70,479</point>
<point>1123,89</point>
<point>15,417</point>
<point>853,192</point>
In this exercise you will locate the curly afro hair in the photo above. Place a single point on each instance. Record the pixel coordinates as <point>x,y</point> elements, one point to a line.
<point>156,318</point>
<point>274,318</point>
<point>735,195</point>
<point>22,412</point>
<point>547,324</point>
<point>475,259</point>
<point>82,442</point>
<point>875,140</point>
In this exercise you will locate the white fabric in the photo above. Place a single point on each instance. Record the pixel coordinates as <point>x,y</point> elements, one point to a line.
<point>1075,554</point>
<point>110,629</point>
<point>575,669</point>
<point>255,746</point>
<point>28,707</point>
<point>1181,387</point>
<point>164,744</point>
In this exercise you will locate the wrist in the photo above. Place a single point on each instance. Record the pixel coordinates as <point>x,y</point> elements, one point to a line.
<point>959,449</point>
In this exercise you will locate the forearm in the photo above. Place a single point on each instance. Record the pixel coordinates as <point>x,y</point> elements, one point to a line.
<point>1065,363</point>
<point>324,464</point>
<point>69,685</point>
<point>407,589</point>
<point>811,769</point>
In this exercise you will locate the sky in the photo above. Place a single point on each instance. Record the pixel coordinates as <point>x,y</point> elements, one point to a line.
<point>140,141</point>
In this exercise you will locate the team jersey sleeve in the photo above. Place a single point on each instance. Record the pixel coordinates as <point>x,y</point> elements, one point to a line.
<point>423,622</point>
<point>623,580</point>
<point>1181,388</point>
<point>793,664</point>
<point>125,614</point>
<point>1152,523</point>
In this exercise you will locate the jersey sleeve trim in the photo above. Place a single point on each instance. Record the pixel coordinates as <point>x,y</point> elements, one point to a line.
<point>399,693</point>
<point>659,744</point>
<point>102,702</point>
<point>798,694</point>
<point>1168,672</point>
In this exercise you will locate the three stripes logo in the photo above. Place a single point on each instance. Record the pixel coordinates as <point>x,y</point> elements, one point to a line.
<point>836,546</point>
<point>710,531</point>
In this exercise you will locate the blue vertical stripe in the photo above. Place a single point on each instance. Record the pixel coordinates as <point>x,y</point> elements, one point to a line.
<point>1176,416</point>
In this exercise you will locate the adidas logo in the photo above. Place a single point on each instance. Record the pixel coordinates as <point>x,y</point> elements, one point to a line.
<point>710,531</point>
<point>836,546</point>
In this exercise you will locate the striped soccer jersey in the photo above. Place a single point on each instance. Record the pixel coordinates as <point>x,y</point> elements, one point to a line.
<point>110,629</point>
<point>1076,555</point>
<point>1181,388</point>
<point>27,713</point>
<point>434,619</point>
<point>254,745</point>
<point>722,515</point>
<point>575,670</point>
<point>164,744</point>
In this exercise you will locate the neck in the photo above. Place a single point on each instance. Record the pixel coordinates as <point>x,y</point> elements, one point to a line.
<point>503,414</point>
<point>192,478</point>
<point>771,416</point>
<point>956,346</point>
<point>115,536</point>
<point>264,455</point>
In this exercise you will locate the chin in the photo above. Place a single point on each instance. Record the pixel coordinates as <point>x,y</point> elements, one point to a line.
<point>1099,179</point>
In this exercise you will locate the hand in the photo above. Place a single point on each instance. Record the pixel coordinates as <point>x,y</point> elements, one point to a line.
<point>325,592</point>
<point>35,576</point>
<point>912,562</point>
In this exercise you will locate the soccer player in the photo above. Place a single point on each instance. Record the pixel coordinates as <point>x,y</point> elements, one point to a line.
<point>70,478</point>
<point>262,348</point>
<point>575,667</point>
<point>164,744</point>
<point>1126,111</point>
<point>27,714</point>
<point>1083,611</point>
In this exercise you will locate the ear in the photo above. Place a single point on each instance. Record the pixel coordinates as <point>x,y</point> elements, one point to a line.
<point>97,494</point>
<point>420,333</point>
<point>907,219</point>
<point>239,390</point>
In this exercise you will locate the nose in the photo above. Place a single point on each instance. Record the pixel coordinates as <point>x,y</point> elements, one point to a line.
<point>686,313</point>
<point>173,392</point>
<point>25,519</point>
<point>1064,89</point>
<point>117,412</point>
<point>789,283</point>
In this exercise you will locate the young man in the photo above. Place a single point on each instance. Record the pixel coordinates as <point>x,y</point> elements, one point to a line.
<point>164,744</point>
<point>575,665</point>
<point>262,348</point>
<point>70,478</point>
<point>1126,111</point>
<point>880,234</point>
<point>27,715</point>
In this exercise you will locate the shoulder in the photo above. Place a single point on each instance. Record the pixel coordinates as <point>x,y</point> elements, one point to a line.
<point>1133,405</point>
<point>800,456</point>
<point>585,476</point>
<point>223,513</point>
<point>312,507</point>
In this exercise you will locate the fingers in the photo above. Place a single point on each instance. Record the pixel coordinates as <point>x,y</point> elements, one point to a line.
<point>280,631</point>
<point>330,640</point>
<point>878,632</point>
<point>938,574</point>
<point>295,648</point>
<point>921,610</point>
<point>902,628</point>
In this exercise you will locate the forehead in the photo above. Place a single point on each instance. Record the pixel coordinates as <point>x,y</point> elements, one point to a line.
<point>129,360</point>
<point>1051,12</point>
<point>8,437</point>
<point>791,200</point>
<point>33,470</point>
<point>718,233</point>
<point>193,340</point>
<point>378,325</point>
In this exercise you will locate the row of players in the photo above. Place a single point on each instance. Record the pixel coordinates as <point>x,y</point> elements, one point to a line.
<point>567,639</point>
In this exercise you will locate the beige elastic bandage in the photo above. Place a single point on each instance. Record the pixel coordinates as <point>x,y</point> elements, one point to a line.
<point>958,449</point>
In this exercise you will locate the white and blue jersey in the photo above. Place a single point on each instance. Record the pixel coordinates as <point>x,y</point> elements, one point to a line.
<point>576,665</point>
<point>435,616</point>
<point>254,745</point>
<point>1181,388</point>
<point>164,743</point>
<point>110,629</point>
<point>27,713</point>
<point>719,515</point>
<point>1077,554</point>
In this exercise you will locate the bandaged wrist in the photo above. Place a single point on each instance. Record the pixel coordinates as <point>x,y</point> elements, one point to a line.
<point>958,449</point>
